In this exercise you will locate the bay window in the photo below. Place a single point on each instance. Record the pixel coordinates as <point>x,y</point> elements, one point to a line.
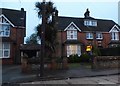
<point>73,49</point>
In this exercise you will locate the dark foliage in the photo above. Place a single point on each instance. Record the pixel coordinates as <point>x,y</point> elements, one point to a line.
<point>110,51</point>
<point>51,14</point>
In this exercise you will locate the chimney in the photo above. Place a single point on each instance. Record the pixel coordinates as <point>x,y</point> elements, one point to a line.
<point>87,13</point>
<point>22,17</point>
<point>22,9</point>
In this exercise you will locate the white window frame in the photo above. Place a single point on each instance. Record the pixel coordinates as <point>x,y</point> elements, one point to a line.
<point>71,34</point>
<point>4,32</point>
<point>114,33</point>
<point>114,36</point>
<point>89,35</point>
<point>90,23</point>
<point>3,50</point>
<point>73,49</point>
<point>99,36</point>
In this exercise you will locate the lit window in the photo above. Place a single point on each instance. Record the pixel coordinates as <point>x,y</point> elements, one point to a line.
<point>89,35</point>
<point>5,50</point>
<point>73,49</point>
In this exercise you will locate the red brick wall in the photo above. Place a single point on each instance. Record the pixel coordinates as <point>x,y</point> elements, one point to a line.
<point>17,38</point>
<point>106,39</point>
<point>61,37</point>
<point>82,38</point>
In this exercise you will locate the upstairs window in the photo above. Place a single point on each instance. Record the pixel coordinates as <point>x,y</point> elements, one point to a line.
<point>72,35</point>
<point>4,27</point>
<point>114,34</point>
<point>89,35</point>
<point>4,30</point>
<point>90,23</point>
<point>99,36</point>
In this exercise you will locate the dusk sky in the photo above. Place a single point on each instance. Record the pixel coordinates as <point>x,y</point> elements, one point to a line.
<point>101,9</point>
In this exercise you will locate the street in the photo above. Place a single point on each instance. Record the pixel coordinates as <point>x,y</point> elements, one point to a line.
<point>102,80</point>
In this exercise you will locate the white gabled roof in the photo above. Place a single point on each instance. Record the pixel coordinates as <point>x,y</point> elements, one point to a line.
<point>118,29</point>
<point>7,20</point>
<point>72,23</point>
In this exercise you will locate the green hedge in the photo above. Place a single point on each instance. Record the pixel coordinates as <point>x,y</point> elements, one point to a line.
<point>110,51</point>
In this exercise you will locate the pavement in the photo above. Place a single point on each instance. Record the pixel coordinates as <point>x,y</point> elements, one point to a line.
<point>13,74</point>
<point>112,80</point>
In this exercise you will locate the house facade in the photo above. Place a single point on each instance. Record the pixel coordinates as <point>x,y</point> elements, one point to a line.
<point>75,34</point>
<point>12,33</point>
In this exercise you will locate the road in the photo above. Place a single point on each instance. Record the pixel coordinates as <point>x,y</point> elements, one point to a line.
<point>102,80</point>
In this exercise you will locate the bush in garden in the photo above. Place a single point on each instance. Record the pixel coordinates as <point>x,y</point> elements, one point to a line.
<point>73,58</point>
<point>85,57</point>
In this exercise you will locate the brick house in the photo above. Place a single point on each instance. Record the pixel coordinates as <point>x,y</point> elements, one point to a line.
<point>12,33</point>
<point>74,34</point>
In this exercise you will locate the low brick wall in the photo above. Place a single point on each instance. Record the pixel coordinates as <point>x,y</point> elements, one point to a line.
<point>103,62</point>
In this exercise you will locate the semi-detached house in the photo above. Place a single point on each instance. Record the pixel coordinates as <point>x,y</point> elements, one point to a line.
<point>74,34</point>
<point>12,33</point>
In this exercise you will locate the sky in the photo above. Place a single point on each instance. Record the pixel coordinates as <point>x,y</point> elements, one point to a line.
<point>100,9</point>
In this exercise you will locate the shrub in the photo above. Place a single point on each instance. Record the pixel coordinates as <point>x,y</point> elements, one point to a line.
<point>73,58</point>
<point>85,57</point>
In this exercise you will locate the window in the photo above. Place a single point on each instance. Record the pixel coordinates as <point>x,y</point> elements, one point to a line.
<point>94,23</point>
<point>99,36</point>
<point>72,34</point>
<point>5,50</point>
<point>90,23</point>
<point>4,30</point>
<point>89,35</point>
<point>114,36</point>
<point>73,49</point>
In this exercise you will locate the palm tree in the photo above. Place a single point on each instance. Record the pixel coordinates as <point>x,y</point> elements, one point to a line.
<point>51,15</point>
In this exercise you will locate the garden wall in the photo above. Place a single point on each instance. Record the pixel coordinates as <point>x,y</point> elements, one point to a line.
<point>103,62</point>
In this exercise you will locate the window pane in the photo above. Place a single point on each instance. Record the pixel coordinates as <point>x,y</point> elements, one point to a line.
<point>72,34</point>
<point>6,53</point>
<point>6,46</point>
<point>5,30</point>
<point>0,46</point>
<point>99,36</point>
<point>5,50</point>
<point>7,33</point>
<point>115,36</point>
<point>89,36</point>
<point>1,53</point>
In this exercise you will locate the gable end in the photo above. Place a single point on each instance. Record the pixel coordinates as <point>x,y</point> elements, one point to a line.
<point>115,27</point>
<point>7,20</point>
<point>72,23</point>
